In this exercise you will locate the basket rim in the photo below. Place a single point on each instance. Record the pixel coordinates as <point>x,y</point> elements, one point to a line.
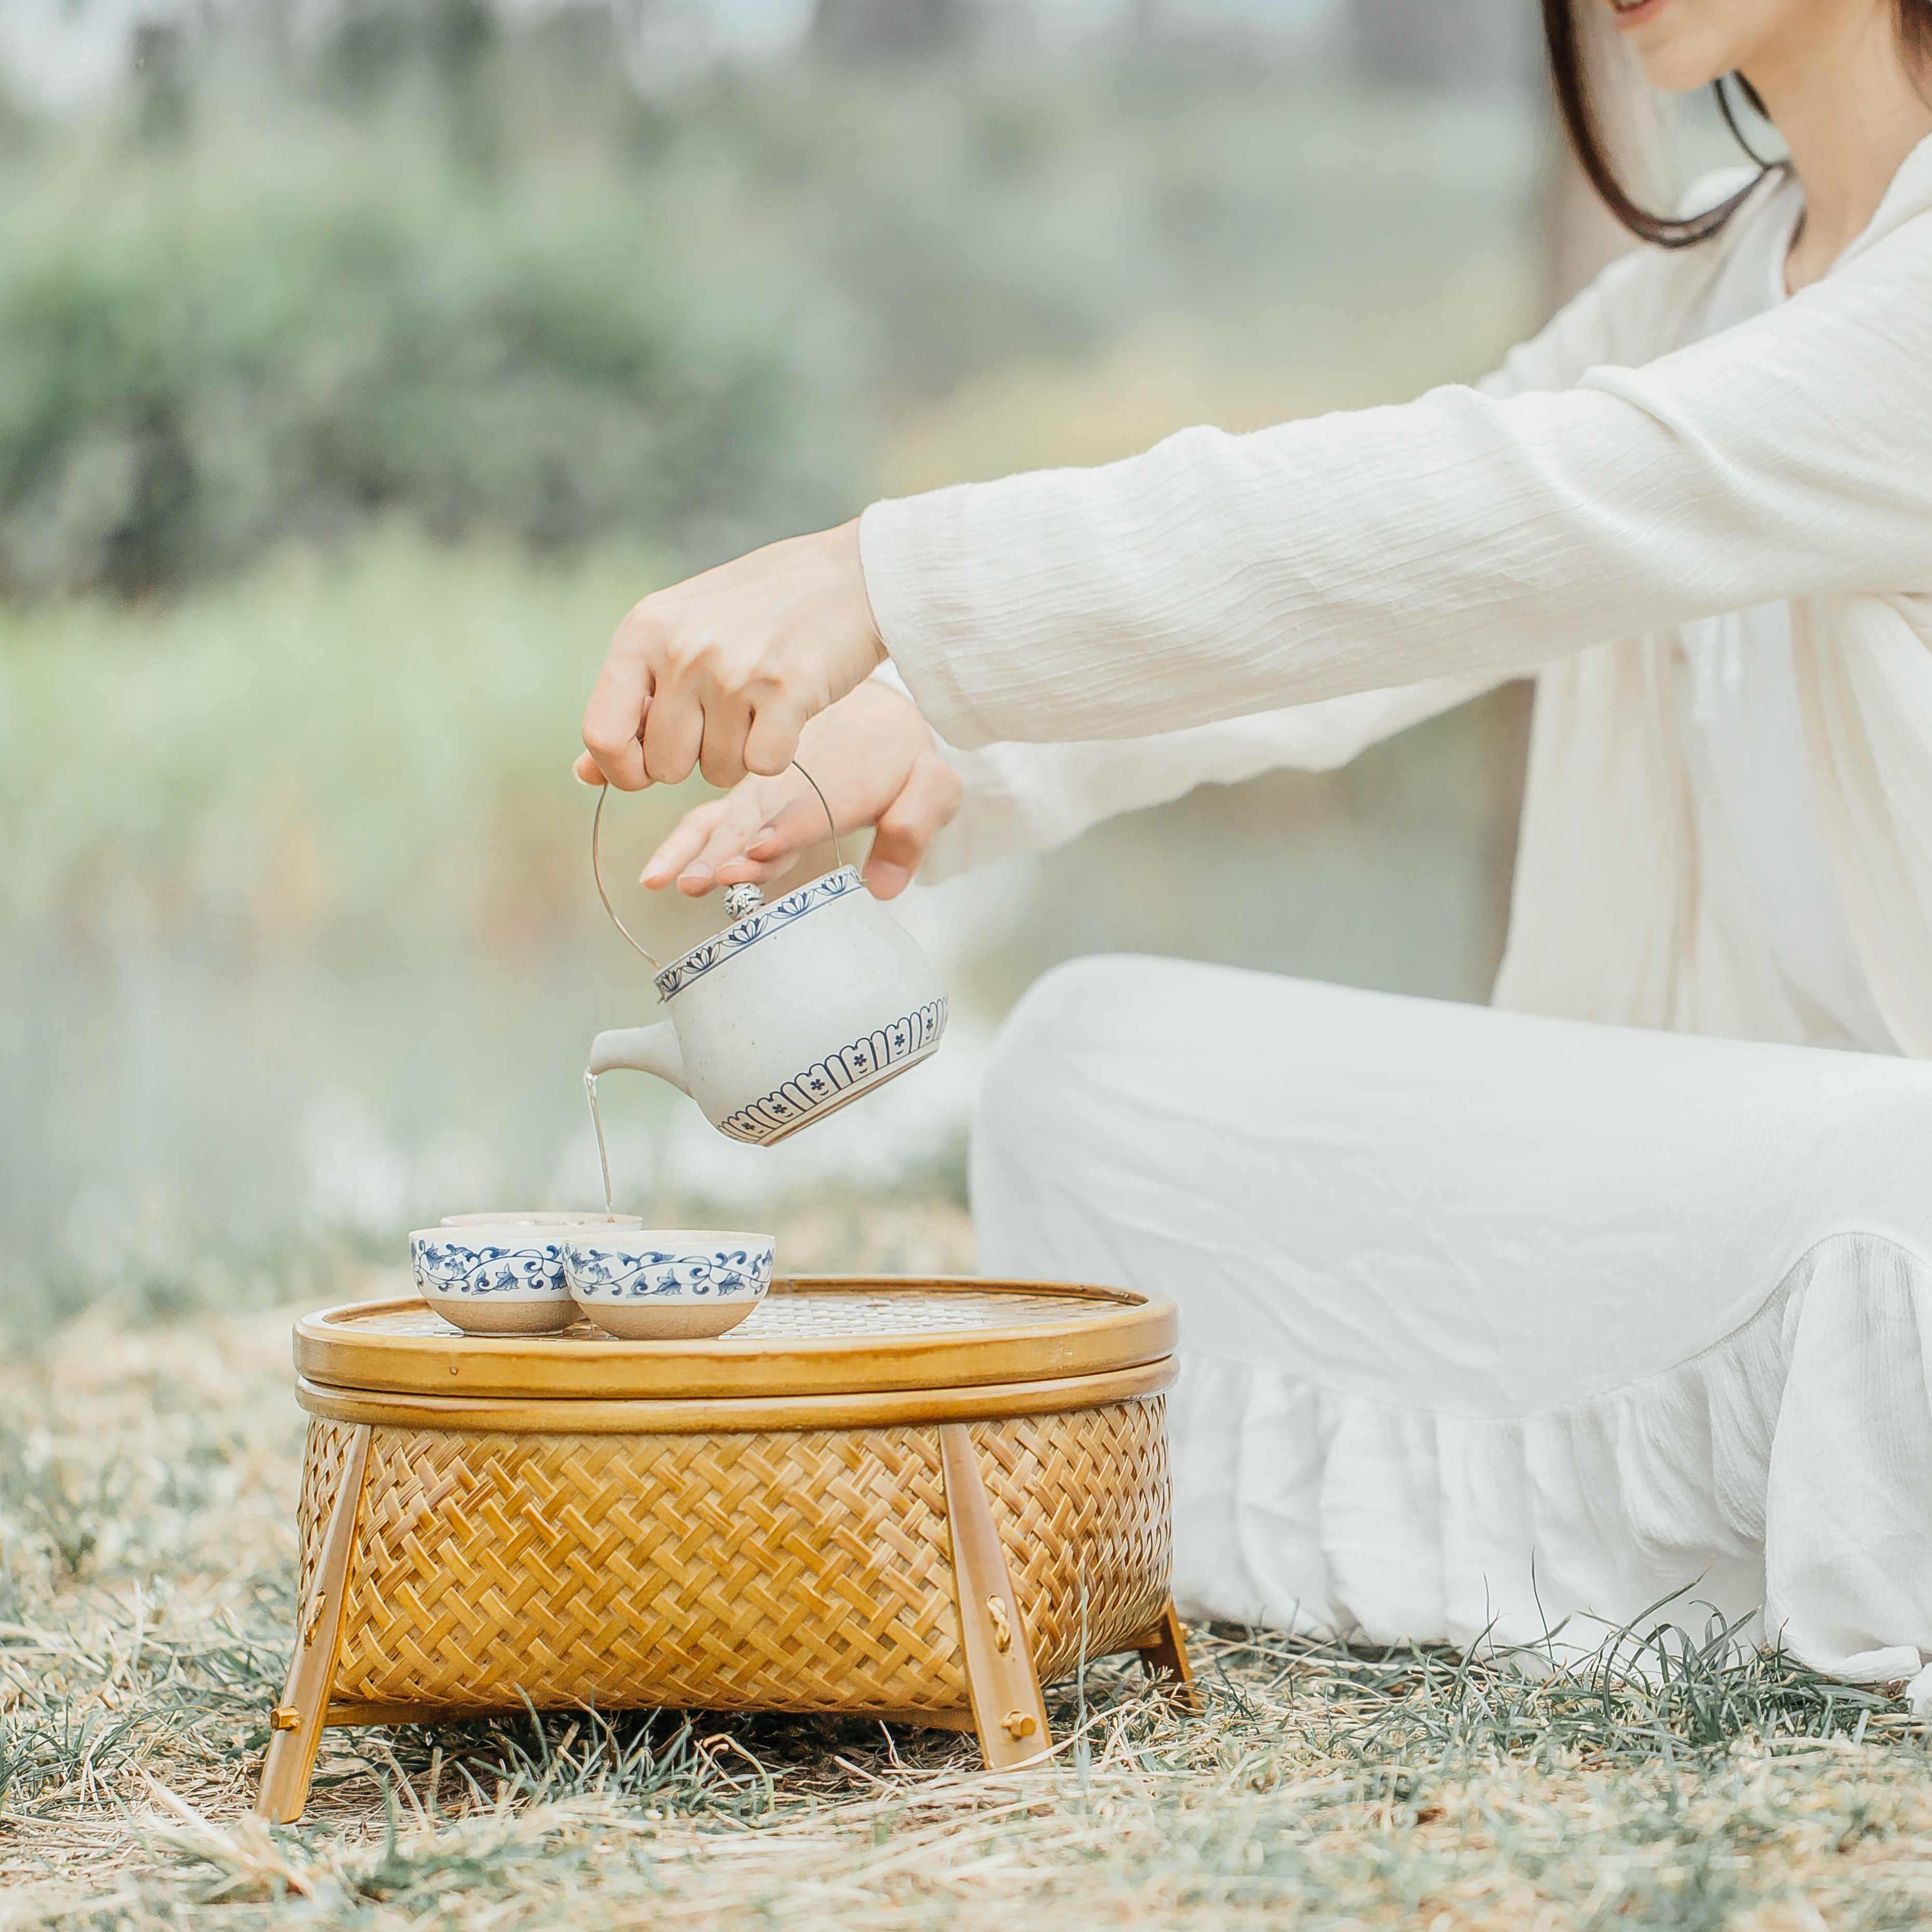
<point>886,1408</point>
<point>1126,1330</point>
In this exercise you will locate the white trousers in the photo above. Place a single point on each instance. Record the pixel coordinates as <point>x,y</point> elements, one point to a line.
<point>1492,1325</point>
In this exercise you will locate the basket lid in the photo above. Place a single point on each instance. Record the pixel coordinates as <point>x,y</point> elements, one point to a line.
<point>812,1335</point>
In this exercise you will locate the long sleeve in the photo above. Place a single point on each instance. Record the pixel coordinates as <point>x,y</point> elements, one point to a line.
<point>1025,797</point>
<point>1466,535</point>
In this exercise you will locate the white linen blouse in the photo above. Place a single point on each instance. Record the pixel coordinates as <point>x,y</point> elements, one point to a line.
<point>1757,815</point>
<point>1087,641</point>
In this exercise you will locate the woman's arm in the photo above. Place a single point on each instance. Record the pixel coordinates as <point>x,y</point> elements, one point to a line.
<point>883,766</point>
<point>1460,535</point>
<point>767,640</point>
<point>1465,534</point>
<point>935,811</point>
<point>1023,797</point>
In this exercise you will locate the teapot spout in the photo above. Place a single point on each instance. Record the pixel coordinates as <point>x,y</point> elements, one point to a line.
<point>651,1049</point>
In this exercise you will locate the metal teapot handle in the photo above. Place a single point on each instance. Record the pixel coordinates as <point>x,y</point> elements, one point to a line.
<point>596,871</point>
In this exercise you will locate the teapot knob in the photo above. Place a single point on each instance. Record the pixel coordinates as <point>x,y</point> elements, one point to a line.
<point>740,902</point>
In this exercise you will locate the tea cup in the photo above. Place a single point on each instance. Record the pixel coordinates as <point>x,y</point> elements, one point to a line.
<point>666,1285</point>
<point>498,1276</point>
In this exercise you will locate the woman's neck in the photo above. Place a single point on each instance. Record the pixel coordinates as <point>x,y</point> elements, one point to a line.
<point>1850,111</point>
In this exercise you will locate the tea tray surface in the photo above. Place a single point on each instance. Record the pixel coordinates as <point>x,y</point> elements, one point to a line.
<point>811,1335</point>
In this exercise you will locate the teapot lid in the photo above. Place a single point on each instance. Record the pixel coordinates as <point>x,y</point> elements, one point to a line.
<point>745,903</point>
<point>759,922</point>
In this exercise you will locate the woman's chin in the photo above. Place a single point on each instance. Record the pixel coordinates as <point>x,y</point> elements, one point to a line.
<point>1681,77</point>
<point>1674,49</point>
<point>1672,65</point>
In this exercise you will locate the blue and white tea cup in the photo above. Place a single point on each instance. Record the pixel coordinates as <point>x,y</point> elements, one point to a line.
<point>666,1285</point>
<point>501,1276</point>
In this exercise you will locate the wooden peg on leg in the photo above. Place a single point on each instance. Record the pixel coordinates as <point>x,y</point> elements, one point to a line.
<point>294,1725</point>
<point>1008,1711</point>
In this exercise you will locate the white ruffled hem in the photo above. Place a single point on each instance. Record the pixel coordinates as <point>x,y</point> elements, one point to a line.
<point>1788,1467</point>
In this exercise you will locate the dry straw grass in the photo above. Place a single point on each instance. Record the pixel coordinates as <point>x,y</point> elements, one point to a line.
<point>147,1492</point>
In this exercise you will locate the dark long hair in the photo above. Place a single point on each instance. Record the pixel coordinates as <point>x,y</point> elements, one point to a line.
<point>1577,96</point>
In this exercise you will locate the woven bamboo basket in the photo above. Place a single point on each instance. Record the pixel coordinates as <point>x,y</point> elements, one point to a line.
<point>914,1500</point>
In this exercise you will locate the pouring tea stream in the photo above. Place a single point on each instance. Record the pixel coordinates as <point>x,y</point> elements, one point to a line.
<point>791,1011</point>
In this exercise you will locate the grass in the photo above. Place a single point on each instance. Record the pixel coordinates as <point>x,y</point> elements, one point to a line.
<point>148,1476</point>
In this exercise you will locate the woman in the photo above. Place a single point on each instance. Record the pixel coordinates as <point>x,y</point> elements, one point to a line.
<point>1492,1321</point>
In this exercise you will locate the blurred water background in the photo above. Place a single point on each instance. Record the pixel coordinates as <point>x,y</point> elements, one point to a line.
<point>360,360</point>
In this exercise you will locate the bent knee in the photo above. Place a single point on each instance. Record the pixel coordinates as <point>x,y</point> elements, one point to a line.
<point>1039,1125</point>
<point>1061,1020</point>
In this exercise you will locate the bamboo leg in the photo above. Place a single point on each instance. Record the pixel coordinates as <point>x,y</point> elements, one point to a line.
<point>1163,1652</point>
<point>295,1723</point>
<point>1008,1711</point>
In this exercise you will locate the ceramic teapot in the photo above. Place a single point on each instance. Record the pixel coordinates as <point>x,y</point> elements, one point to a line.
<point>795,1008</point>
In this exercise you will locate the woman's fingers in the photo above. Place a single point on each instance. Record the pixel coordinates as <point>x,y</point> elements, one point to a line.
<point>874,754</point>
<point>771,743</point>
<point>726,667</point>
<point>723,862</point>
<point>711,839</point>
<point>725,720</point>
<point>779,838</point>
<point>674,733</point>
<point>687,840</point>
<point>613,719</point>
<point>926,804</point>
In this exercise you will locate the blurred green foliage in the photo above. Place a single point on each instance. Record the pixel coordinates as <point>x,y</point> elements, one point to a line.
<point>351,389</point>
<point>272,316</point>
<point>178,396</point>
<point>343,752</point>
<point>422,265</point>
<point>273,291</point>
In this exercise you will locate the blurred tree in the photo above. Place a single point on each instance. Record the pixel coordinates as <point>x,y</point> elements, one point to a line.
<point>1475,46</point>
<point>898,29</point>
<point>1494,47</point>
<point>174,403</point>
<point>160,60</point>
<point>368,45</point>
<point>663,43</point>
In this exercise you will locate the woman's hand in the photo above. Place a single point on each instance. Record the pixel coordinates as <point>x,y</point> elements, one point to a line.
<point>723,671</point>
<point>874,757</point>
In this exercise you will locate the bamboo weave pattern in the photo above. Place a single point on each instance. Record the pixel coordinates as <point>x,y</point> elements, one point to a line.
<point>778,1570</point>
<point>783,1316</point>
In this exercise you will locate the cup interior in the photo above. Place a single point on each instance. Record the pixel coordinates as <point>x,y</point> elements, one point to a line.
<point>543,1217</point>
<point>474,1237</point>
<point>672,1241</point>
